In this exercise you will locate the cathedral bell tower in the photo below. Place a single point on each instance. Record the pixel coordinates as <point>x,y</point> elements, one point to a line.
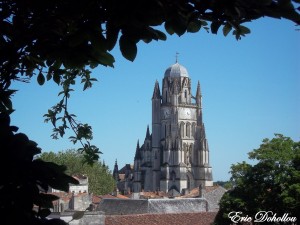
<point>179,149</point>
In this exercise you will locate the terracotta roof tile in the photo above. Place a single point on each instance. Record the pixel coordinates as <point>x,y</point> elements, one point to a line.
<point>96,199</point>
<point>195,192</point>
<point>122,196</point>
<point>149,194</point>
<point>107,196</point>
<point>203,218</point>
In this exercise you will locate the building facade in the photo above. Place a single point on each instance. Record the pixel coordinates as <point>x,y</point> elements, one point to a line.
<point>175,157</point>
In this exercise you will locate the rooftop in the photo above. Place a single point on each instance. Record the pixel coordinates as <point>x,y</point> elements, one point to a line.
<point>176,70</point>
<point>202,218</point>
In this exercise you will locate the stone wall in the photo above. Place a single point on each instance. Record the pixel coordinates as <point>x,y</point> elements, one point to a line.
<point>213,197</point>
<point>91,218</point>
<point>144,206</point>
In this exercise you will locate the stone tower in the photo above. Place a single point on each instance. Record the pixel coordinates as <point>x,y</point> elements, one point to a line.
<point>176,156</point>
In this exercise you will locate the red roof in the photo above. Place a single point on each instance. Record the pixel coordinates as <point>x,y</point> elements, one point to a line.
<point>195,192</point>
<point>98,198</point>
<point>203,218</point>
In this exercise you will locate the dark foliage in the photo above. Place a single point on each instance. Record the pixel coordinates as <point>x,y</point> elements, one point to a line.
<point>272,185</point>
<point>24,181</point>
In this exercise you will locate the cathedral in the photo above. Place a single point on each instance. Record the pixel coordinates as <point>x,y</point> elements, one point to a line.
<point>175,156</point>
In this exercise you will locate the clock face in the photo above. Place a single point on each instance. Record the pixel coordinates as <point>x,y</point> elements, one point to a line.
<point>185,113</point>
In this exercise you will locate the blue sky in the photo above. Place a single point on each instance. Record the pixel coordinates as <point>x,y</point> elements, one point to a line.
<point>250,88</point>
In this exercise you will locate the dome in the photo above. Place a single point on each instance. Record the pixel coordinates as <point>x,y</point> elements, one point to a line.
<point>176,70</point>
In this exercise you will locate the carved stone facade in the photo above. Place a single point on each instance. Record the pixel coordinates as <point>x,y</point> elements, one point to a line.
<point>175,157</point>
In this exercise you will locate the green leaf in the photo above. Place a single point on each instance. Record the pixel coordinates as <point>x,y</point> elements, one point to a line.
<point>226,29</point>
<point>56,78</point>
<point>169,28</point>
<point>203,23</point>
<point>106,59</point>
<point>179,25</point>
<point>49,75</point>
<point>128,48</point>
<point>112,34</point>
<point>161,35</point>
<point>194,26</point>
<point>215,25</point>
<point>244,30</point>
<point>41,79</point>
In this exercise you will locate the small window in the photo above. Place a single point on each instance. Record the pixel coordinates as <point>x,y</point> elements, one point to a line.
<point>182,129</point>
<point>188,130</point>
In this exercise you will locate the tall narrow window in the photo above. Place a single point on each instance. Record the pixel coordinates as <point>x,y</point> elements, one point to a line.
<point>182,129</point>
<point>188,130</point>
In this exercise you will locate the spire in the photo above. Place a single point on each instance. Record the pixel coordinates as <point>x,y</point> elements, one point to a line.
<point>148,136</point>
<point>156,92</point>
<point>116,164</point>
<point>198,93</point>
<point>137,151</point>
<point>176,57</point>
<point>116,171</point>
<point>199,100</point>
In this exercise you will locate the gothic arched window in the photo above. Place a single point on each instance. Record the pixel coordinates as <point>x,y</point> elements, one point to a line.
<point>181,129</point>
<point>188,130</point>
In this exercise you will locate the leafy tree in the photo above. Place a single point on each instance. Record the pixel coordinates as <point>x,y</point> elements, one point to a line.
<point>272,184</point>
<point>100,178</point>
<point>225,184</point>
<point>25,181</point>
